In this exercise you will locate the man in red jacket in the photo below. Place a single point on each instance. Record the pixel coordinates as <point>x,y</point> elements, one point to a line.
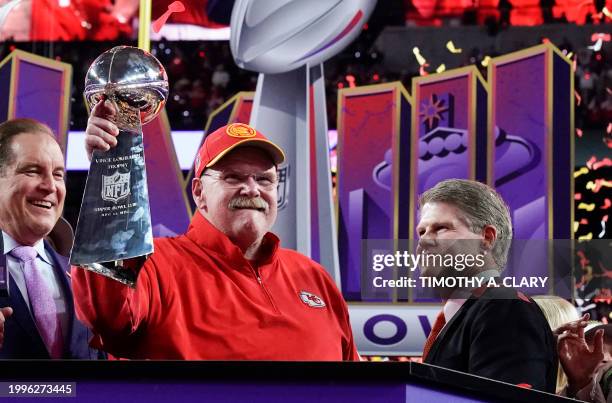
<point>224,290</point>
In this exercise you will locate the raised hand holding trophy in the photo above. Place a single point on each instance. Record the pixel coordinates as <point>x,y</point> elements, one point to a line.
<point>114,234</point>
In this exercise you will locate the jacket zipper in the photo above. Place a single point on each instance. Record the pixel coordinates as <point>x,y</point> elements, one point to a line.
<point>263,287</point>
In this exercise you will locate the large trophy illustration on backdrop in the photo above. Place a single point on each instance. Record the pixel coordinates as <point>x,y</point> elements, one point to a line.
<point>287,43</point>
<point>114,234</point>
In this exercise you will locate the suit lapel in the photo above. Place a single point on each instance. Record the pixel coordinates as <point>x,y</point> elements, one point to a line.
<point>440,340</point>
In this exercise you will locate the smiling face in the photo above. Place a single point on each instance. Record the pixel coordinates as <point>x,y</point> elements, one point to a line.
<point>32,187</point>
<point>238,195</point>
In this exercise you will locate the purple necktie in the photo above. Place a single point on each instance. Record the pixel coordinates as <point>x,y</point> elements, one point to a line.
<point>41,301</point>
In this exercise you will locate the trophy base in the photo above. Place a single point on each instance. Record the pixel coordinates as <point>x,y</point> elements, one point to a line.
<point>124,271</point>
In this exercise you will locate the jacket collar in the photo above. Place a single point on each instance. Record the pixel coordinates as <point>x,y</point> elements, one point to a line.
<point>207,236</point>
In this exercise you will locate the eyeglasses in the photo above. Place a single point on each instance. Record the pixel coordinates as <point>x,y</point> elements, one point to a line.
<point>266,181</point>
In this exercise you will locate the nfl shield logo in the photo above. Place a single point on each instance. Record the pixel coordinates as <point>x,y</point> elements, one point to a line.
<point>116,186</point>
<point>311,300</point>
<point>283,187</point>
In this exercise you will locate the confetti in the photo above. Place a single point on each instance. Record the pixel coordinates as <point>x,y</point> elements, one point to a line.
<point>351,80</point>
<point>441,68</point>
<point>570,54</point>
<point>586,237</point>
<point>578,196</point>
<point>606,162</point>
<point>607,12</point>
<point>609,128</point>
<point>584,221</point>
<point>422,71</point>
<point>417,53</point>
<point>599,35</point>
<point>603,229</point>
<point>451,47</point>
<point>485,61</point>
<point>597,185</point>
<point>578,98</point>
<point>605,218</point>
<point>609,91</point>
<point>576,225</point>
<point>579,132</point>
<point>587,207</point>
<point>606,205</point>
<point>590,162</point>
<point>175,7</point>
<point>597,46</point>
<point>581,171</point>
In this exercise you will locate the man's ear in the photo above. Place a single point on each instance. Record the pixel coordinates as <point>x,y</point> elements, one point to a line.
<point>197,190</point>
<point>489,234</point>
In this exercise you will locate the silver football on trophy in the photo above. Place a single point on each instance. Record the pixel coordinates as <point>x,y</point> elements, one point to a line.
<point>133,80</point>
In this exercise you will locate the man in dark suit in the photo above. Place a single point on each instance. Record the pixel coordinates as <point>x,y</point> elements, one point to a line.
<point>484,329</point>
<point>37,317</point>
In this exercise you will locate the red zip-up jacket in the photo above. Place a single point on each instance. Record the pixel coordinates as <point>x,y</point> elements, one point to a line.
<point>198,298</point>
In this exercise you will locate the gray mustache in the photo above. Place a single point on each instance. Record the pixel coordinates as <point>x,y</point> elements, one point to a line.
<point>242,202</point>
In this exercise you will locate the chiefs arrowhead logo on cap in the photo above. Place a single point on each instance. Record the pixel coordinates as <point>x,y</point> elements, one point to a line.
<point>311,300</point>
<point>240,130</point>
<point>226,138</point>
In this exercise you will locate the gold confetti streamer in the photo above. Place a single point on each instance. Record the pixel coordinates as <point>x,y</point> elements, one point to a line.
<point>451,47</point>
<point>587,207</point>
<point>581,171</point>
<point>417,53</point>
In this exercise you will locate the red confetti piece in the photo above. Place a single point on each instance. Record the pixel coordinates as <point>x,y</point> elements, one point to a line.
<point>596,187</point>
<point>609,128</point>
<point>578,98</point>
<point>524,385</point>
<point>579,132</point>
<point>422,71</point>
<point>578,196</point>
<point>606,205</point>
<point>584,221</point>
<point>602,36</point>
<point>605,218</point>
<point>175,7</point>
<point>606,162</point>
<point>351,80</point>
<point>591,161</point>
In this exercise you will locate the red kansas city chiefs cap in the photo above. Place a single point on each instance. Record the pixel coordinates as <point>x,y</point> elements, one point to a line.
<point>226,138</point>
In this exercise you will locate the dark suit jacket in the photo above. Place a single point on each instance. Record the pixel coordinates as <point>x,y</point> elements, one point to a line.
<point>21,338</point>
<point>499,336</point>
